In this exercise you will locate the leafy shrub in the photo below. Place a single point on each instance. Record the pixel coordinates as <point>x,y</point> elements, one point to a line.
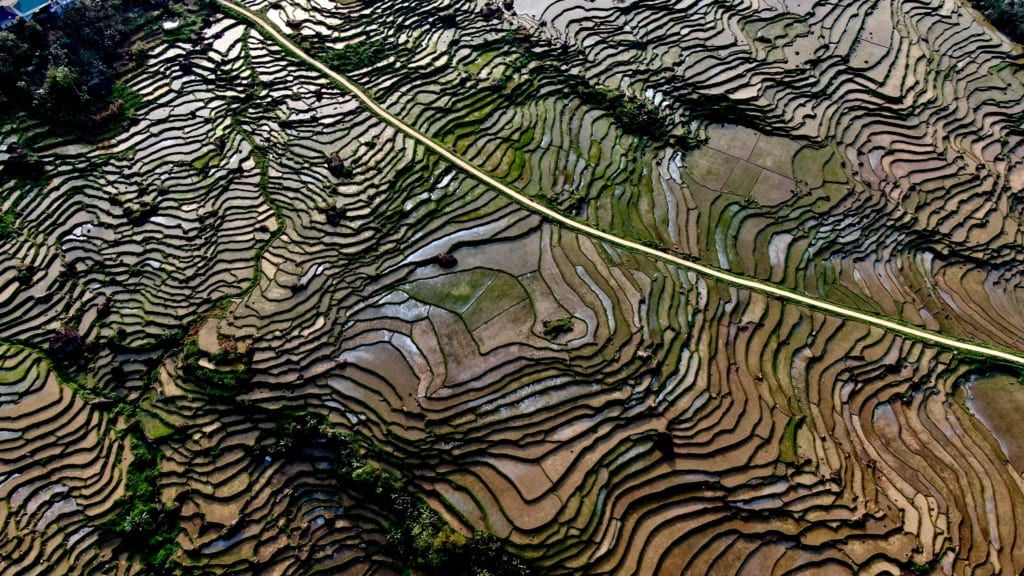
<point>295,431</point>
<point>22,164</point>
<point>8,225</point>
<point>431,546</point>
<point>356,56</point>
<point>67,348</point>
<point>214,382</point>
<point>557,327</point>
<point>338,168</point>
<point>145,526</point>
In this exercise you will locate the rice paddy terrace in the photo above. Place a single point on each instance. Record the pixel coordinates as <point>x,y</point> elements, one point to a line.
<point>259,282</point>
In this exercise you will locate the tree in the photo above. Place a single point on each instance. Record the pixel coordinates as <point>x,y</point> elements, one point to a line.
<point>62,94</point>
<point>59,68</point>
<point>67,348</point>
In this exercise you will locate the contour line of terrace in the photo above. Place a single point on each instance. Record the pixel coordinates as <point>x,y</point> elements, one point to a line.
<point>768,288</point>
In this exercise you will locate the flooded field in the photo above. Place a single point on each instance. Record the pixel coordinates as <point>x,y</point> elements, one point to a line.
<point>256,248</point>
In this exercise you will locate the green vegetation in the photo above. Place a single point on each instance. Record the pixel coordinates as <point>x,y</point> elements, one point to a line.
<point>189,22</point>
<point>8,225</point>
<point>528,50</point>
<point>297,430</point>
<point>211,158</point>
<point>452,292</point>
<point>923,568</point>
<point>787,446</point>
<point>127,99</point>
<point>356,56</point>
<point>434,547</point>
<point>221,383</point>
<point>416,534</point>
<point>557,327</point>
<point>61,69</point>
<point>636,116</point>
<point>520,41</point>
<point>145,526</point>
<point>338,168</point>
<point>1006,15</point>
<point>124,104</point>
<point>632,114</point>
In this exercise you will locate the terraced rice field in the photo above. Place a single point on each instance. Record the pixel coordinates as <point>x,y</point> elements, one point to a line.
<point>257,244</point>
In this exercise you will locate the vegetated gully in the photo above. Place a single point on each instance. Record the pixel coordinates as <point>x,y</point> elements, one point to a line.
<point>983,350</point>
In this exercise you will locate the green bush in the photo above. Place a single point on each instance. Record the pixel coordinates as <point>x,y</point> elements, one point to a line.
<point>297,430</point>
<point>634,115</point>
<point>214,382</point>
<point>356,56</point>
<point>144,525</point>
<point>8,225</point>
<point>557,327</point>
<point>428,545</point>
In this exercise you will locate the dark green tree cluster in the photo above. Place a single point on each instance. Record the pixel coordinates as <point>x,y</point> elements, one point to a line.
<point>62,68</point>
<point>8,225</point>
<point>1006,15</point>
<point>356,56</point>
<point>417,535</point>
<point>144,524</point>
<point>634,115</point>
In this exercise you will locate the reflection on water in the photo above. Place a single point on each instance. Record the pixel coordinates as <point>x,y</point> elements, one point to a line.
<point>997,399</point>
<point>537,8</point>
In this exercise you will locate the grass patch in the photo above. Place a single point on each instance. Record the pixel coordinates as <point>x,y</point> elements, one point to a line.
<point>130,99</point>
<point>787,446</point>
<point>210,159</point>
<point>922,568</point>
<point>454,292</point>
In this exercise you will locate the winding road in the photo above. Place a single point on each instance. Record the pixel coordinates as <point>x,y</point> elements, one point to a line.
<point>787,294</point>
